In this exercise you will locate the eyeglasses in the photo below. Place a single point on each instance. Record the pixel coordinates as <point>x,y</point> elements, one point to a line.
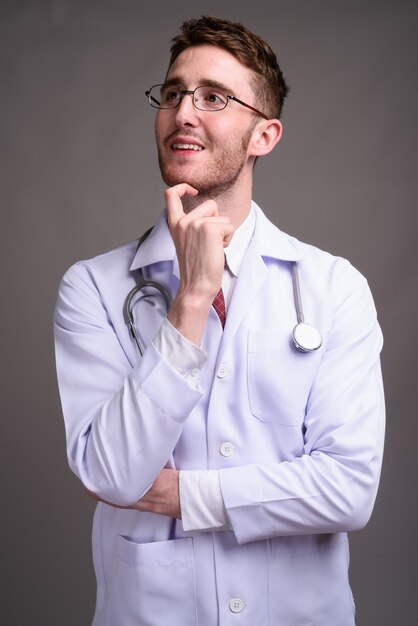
<point>204,98</point>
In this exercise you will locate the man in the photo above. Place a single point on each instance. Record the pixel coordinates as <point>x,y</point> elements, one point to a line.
<point>227,464</point>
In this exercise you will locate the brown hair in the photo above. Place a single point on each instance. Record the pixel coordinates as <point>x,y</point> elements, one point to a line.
<point>251,50</point>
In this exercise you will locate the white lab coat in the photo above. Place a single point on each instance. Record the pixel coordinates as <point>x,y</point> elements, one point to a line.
<point>306,433</point>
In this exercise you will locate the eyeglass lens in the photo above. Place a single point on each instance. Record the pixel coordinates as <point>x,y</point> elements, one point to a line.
<point>205,98</point>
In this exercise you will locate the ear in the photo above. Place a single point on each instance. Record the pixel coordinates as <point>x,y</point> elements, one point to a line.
<point>265,136</point>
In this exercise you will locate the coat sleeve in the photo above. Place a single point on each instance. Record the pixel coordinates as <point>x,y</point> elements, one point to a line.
<point>122,423</point>
<point>332,486</point>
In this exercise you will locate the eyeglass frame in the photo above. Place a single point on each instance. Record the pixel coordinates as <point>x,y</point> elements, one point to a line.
<point>186,92</point>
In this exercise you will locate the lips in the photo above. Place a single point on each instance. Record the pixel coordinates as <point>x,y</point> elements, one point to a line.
<point>186,143</point>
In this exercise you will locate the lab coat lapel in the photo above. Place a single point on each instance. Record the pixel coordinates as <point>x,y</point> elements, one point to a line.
<point>268,241</point>
<point>156,248</point>
<point>253,273</point>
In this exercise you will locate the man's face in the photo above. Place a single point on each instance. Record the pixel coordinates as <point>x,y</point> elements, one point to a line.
<point>207,149</point>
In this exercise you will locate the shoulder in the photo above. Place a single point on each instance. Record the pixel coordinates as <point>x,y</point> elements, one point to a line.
<point>112,265</point>
<point>333,266</point>
<point>91,288</point>
<point>317,263</point>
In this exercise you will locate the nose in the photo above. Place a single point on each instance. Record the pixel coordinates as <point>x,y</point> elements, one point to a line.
<point>186,113</point>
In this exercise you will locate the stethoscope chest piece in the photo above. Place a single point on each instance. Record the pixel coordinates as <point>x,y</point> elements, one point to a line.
<point>306,337</point>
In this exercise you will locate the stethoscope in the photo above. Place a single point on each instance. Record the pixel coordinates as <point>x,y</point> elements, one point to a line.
<point>306,337</point>
<point>158,291</point>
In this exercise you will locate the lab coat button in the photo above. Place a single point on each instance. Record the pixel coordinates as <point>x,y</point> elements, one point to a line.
<point>195,372</point>
<point>236,605</point>
<point>227,449</point>
<point>222,370</point>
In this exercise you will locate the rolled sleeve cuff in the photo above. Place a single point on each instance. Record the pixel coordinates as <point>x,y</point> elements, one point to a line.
<point>183,355</point>
<point>201,502</point>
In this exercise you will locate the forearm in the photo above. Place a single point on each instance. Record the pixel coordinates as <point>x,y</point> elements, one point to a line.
<point>162,498</point>
<point>331,484</point>
<point>120,428</point>
<point>310,495</point>
<point>128,440</point>
<point>188,315</point>
<point>313,494</point>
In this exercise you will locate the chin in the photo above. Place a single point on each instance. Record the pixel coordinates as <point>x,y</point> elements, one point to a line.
<point>174,173</point>
<point>175,176</point>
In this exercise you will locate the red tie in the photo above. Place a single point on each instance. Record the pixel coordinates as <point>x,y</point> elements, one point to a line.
<point>219,306</point>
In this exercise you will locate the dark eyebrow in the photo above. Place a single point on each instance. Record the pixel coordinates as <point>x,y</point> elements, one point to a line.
<point>205,82</point>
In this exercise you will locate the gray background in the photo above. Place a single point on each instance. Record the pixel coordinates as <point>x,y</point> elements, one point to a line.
<point>79,176</point>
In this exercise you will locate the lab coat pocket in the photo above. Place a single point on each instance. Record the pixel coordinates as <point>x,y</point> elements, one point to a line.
<point>279,377</point>
<point>152,584</point>
<point>316,565</point>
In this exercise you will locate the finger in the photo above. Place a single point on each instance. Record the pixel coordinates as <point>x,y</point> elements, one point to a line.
<point>217,225</point>
<point>173,201</point>
<point>221,220</point>
<point>209,208</point>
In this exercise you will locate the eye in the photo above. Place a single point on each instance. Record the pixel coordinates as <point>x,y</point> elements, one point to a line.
<point>170,94</point>
<point>211,98</point>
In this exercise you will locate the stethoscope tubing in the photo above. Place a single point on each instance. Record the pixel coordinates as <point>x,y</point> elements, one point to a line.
<point>296,293</point>
<point>128,305</point>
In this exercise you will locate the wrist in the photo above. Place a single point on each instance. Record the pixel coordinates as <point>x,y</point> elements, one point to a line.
<point>188,314</point>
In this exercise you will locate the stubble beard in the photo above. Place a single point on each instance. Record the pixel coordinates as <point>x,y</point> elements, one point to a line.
<point>212,180</point>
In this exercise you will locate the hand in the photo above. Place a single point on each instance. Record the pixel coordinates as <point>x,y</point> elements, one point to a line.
<point>162,497</point>
<point>200,237</point>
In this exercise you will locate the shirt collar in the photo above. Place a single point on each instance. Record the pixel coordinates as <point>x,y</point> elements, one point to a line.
<point>239,243</point>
